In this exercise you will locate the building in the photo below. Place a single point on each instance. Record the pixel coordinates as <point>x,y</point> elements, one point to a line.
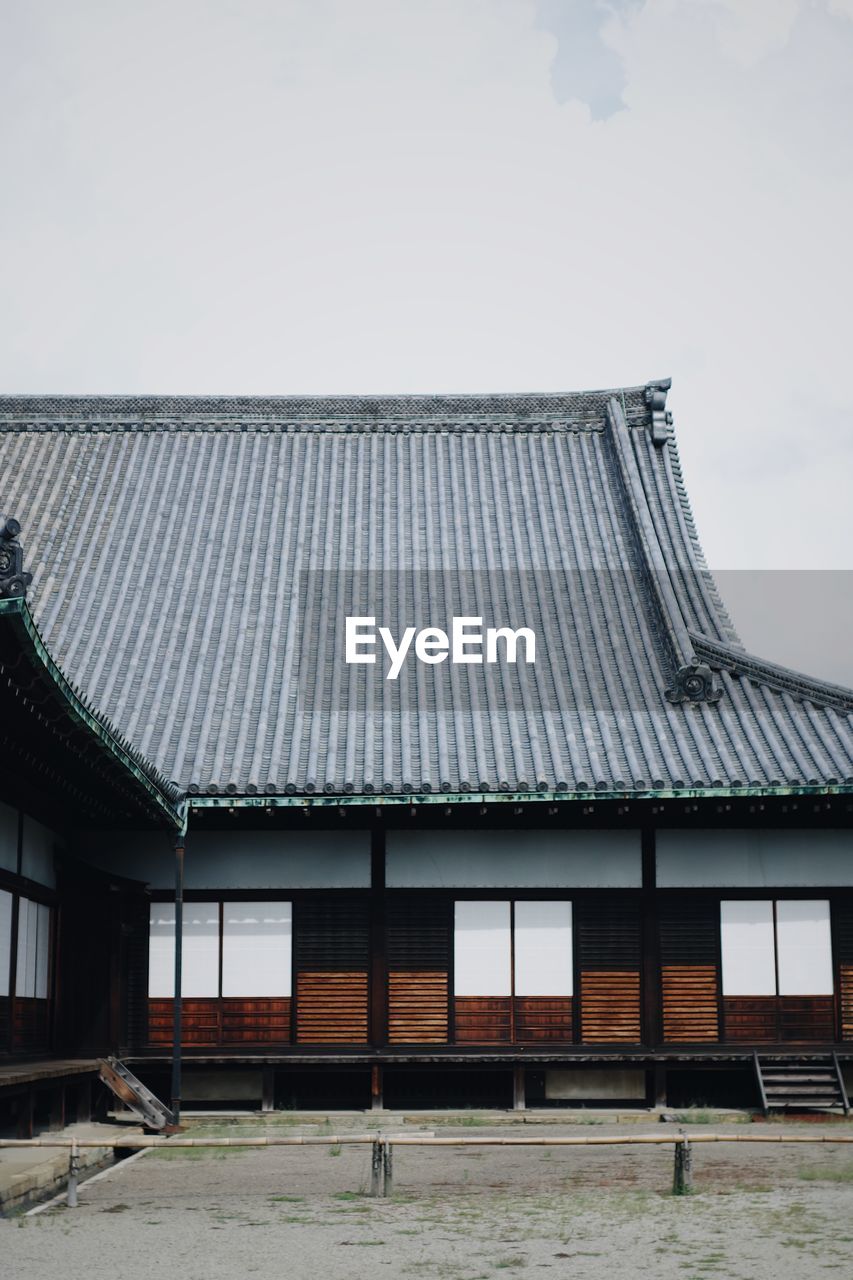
<point>613,873</point>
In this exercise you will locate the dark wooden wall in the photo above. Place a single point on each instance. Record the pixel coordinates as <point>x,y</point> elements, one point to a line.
<point>332,996</point>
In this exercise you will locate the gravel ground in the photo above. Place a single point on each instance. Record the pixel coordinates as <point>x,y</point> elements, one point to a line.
<point>758,1211</point>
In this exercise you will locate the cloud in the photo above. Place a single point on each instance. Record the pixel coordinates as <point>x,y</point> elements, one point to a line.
<point>320,196</point>
<point>586,68</point>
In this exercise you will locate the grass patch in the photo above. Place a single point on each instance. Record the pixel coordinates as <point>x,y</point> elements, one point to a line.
<point>695,1115</point>
<point>819,1174</point>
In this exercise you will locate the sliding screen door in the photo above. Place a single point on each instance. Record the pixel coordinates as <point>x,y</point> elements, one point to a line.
<point>256,946</point>
<point>804,944</point>
<point>544,978</point>
<point>748,949</point>
<point>482,972</point>
<point>777,970</point>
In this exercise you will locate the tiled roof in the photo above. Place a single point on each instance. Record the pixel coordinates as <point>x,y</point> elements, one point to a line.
<point>193,560</point>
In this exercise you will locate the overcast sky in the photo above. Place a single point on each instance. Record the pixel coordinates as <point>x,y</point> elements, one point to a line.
<point>280,196</point>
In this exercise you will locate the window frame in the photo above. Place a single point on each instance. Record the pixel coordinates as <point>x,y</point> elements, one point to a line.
<point>512,903</point>
<point>218,904</point>
<point>774,902</point>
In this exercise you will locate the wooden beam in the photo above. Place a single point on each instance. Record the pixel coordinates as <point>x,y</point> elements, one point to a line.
<point>378,981</point>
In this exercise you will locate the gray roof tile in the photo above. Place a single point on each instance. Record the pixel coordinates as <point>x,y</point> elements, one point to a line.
<point>193,560</point>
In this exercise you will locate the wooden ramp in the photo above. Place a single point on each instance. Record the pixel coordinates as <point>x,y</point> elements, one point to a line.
<point>133,1093</point>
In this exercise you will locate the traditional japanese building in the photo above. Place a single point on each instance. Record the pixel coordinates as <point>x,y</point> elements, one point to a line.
<point>603,855</point>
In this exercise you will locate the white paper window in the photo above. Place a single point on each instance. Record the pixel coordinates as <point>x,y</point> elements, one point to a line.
<point>25,962</point>
<point>256,948</point>
<point>42,951</point>
<point>161,951</point>
<point>482,952</point>
<point>804,944</point>
<point>748,951</point>
<point>543,949</point>
<point>5,941</point>
<point>33,959</point>
<point>200,950</point>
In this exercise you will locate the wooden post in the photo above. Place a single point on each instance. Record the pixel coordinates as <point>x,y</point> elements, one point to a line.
<point>377,976</point>
<point>73,1171</point>
<point>26,1112</point>
<point>387,1168</point>
<point>682,1179</point>
<point>84,1101</point>
<point>376,1163</point>
<point>519,1089</point>
<point>659,1080</point>
<point>176,1001</point>
<point>57,1107</point>
<point>268,1089</point>
<point>650,960</point>
<point>377,1101</point>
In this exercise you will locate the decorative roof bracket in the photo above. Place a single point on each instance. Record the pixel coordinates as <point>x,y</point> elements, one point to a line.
<point>694,683</point>
<point>13,579</point>
<point>661,417</point>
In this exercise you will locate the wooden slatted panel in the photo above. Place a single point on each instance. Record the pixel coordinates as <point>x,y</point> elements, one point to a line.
<point>135,1003</point>
<point>689,956</point>
<point>610,1007</point>
<point>331,1008</point>
<point>331,955</point>
<point>418,945</point>
<point>200,1023</point>
<point>608,933</point>
<point>842,919</point>
<point>608,950</point>
<point>806,1019</point>
<point>845,985</point>
<point>331,935</point>
<point>259,1021</point>
<point>483,1020</point>
<point>750,1018</point>
<point>417,1007</point>
<point>689,994</point>
<point>543,1019</point>
<point>418,934</point>
<point>689,931</point>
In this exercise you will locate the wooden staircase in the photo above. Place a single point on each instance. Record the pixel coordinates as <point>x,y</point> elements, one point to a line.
<point>805,1083</point>
<point>135,1096</point>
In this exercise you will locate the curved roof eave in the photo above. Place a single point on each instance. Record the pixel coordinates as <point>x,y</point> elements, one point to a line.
<point>161,795</point>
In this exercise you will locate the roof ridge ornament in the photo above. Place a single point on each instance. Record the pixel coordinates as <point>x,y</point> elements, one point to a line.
<point>694,683</point>
<point>661,416</point>
<point>13,579</point>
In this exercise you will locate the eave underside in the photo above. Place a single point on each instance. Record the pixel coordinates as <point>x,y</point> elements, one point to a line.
<point>58,760</point>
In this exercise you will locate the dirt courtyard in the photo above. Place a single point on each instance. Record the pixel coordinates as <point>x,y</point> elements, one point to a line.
<point>757,1211</point>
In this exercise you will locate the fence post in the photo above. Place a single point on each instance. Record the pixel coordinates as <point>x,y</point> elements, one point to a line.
<point>387,1168</point>
<point>682,1179</point>
<point>73,1170</point>
<point>376,1163</point>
